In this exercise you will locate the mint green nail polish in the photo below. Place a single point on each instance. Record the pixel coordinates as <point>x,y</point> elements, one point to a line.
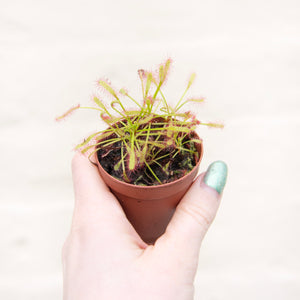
<point>216,176</point>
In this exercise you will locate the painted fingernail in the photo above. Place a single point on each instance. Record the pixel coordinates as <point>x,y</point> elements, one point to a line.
<point>216,176</point>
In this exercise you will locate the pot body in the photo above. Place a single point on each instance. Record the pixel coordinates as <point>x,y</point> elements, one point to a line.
<point>150,208</point>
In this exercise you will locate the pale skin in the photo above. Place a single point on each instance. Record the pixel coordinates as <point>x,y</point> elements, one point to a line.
<point>104,258</point>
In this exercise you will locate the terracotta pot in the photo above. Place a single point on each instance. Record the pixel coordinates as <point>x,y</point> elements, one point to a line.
<point>150,208</point>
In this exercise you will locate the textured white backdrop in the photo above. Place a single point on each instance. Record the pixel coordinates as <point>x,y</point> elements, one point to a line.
<point>247,57</point>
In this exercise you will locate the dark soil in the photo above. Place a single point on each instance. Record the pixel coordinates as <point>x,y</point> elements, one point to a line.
<point>169,168</point>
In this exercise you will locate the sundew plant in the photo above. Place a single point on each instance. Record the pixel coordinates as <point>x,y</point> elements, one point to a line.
<point>153,143</point>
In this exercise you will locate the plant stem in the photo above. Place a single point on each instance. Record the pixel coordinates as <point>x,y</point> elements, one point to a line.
<point>154,175</point>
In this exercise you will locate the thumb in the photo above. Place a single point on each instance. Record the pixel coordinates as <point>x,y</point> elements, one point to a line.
<point>197,209</point>
<point>97,208</point>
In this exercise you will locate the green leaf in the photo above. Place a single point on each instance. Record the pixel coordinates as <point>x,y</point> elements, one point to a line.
<point>99,103</point>
<point>199,100</point>
<point>68,112</point>
<point>161,73</point>
<point>152,172</point>
<point>87,140</point>
<point>148,83</point>
<point>132,159</point>
<point>191,80</point>
<point>145,120</point>
<point>216,125</point>
<point>197,141</point>
<point>178,129</point>
<point>106,86</point>
<point>123,91</point>
<point>167,68</point>
<point>153,143</point>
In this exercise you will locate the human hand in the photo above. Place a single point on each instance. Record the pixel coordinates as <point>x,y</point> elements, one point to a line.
<point>103,256</point>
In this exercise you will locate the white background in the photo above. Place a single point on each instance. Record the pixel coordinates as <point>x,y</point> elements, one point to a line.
<point>247,58</point>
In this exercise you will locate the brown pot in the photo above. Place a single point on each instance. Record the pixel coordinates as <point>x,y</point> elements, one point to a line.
<point>150,208</point>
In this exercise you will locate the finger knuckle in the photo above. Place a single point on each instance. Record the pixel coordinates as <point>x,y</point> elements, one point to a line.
<point>198,213</point>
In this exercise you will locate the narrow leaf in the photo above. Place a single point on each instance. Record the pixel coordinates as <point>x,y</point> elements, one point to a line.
<point>68,112</point>
<point>148,83</point>
<point>191,80</point>
<point>107,87</point>
<point>199,100</point>
<point>87,140</point>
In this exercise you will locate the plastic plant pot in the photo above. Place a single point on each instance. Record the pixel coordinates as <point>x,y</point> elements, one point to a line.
<point>150,208</point>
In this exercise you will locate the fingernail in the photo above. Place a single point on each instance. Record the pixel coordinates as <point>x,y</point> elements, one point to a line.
<point>216,176</point>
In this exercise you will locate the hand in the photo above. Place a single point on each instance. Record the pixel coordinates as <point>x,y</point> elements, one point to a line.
<point>103,256</point>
